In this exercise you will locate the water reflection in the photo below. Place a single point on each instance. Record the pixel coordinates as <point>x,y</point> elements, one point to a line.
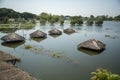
<point>89,52</point>
<point>38,39</point>
<point>98,28</point>
<point>12,45</point>
<point>55,36</point>
<point>8,30</point>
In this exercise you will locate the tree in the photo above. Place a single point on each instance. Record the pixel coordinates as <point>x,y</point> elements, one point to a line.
<point>61,21</point>
<point>99,21</point>
<point>117,18</point>
<point>76,20</point>
<point>90,21</point>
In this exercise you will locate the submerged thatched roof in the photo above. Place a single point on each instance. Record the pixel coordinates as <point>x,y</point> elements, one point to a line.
<point>55,32</point>
<point>7,57</point>
<point>10,72</point>
<point>12,37</point>
<point>69,30</point>
<point>38,34</point>
<point>92,44</point>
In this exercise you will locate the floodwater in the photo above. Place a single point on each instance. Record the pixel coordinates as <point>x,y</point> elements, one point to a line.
<point>57,57</point>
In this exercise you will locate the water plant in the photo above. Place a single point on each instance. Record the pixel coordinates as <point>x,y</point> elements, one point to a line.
<point>56,55</point>
<point>27,46</point>
<point>103,74</point>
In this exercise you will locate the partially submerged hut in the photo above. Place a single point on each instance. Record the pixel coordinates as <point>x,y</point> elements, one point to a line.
<point>55,32</point>
<point>12,37</point>
<point>10,72</point>
<point>92,44</point>
<point>38,34</point>
<point>8,58</point>
<point>69,30</point>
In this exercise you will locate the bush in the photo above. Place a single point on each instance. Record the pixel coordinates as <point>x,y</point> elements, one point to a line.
<point>99,22</point>
<point>102,74</point>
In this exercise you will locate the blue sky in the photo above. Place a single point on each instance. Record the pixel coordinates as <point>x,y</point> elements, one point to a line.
<point>65,7</point>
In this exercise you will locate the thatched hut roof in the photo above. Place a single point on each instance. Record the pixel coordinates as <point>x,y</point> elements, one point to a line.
<point>12,37</point>
<point>92,44</point>
<point>7,57</point>
<point>10,72</point>
<point>55,32</point>
<point>69,30</point>
<point>38,34</point>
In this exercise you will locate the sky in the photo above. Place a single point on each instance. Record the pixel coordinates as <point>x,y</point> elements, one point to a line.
<point>65,7</point>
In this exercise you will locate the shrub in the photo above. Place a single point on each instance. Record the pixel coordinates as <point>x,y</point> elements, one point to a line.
<point>103,74</point>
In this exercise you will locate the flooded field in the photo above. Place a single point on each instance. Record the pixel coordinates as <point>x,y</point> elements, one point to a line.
<point>57,57</point>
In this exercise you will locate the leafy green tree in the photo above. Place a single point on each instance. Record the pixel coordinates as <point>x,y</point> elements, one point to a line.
<point>43,21</point>
<point>5,20</point>
<point>72,22</point>
<point>99,21</point>
<point>76,20</point>
<point>90,21</point>
<point>61,21</point>
<point>117,18</point>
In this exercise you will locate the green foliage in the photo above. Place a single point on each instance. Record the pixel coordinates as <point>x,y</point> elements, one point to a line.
<point>27,46</point>
<point>90,21</point>
<point>117,18</point>
<point>76,20</point>
<point>5,20</point>
<point>99,21</point>
<point>102,74</point>
<point>43,21</point>
<point>72,22</point>
<point>61,21</point>
<point>44,17</point>
<point>56,55</point>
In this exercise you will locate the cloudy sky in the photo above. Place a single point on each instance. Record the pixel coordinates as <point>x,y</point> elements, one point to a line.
<point>65,7</point>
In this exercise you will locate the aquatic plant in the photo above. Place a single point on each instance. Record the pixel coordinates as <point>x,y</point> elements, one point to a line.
<point>107,35</point>
<point>103,74</point>
<point>27,46</point>
<point>56,55</point>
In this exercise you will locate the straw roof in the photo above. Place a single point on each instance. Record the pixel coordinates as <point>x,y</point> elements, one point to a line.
<point>10,72</point>
<point>12,37</point>
<point>92,44</point>
<point>69,30</point>
<point>55,32</point>
<point>7,57</point>
<point>38,34</point>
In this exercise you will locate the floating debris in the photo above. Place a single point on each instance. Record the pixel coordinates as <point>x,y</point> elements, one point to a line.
<point>112,36</point>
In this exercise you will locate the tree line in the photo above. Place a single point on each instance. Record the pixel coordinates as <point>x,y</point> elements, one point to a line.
<point>9,15</point>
